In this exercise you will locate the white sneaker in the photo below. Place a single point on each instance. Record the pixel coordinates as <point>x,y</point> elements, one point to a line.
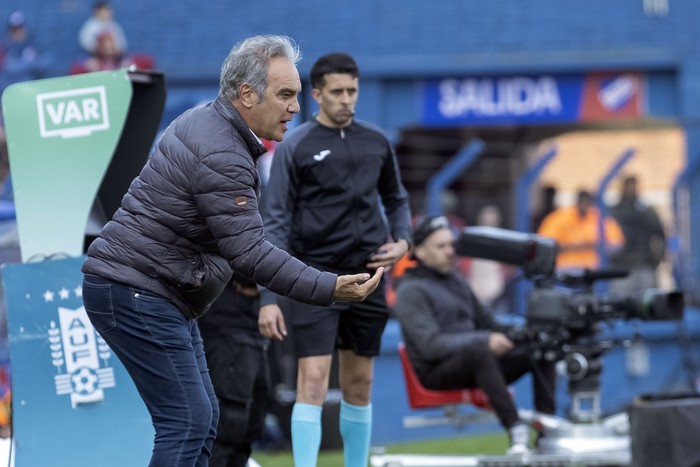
<point>519,436</point>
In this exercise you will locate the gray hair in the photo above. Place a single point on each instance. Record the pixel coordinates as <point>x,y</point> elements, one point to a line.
<point>248,62</point>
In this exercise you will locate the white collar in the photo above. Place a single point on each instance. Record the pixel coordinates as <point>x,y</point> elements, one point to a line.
<point>256,136</point>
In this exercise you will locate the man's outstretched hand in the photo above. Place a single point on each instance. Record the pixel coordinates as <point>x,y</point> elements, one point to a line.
<point>356,287</point>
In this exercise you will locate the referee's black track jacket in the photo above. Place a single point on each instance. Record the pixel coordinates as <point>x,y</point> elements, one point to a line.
<point>335,196</point>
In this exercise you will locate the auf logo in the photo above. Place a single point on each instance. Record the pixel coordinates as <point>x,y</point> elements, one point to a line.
<point>73,113</point>
<point>81,358</point>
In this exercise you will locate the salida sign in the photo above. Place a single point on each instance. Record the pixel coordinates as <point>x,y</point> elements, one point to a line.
<point>532,99</point>
<point>506,96</point>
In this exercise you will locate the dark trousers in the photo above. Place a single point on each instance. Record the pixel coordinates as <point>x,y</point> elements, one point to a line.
<point>240,377</point>
<point>477,366</point>
<point>163,353</point>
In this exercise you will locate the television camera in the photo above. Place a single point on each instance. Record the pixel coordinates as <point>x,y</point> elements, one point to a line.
<point>564,312</point>
<point>562,320</point>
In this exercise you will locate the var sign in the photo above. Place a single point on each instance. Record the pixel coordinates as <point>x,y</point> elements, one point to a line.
<point>73,113</point>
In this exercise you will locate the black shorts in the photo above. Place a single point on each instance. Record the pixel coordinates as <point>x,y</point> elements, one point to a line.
<point>356,326</point>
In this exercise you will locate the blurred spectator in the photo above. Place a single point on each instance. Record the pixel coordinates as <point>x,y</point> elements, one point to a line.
<point>107,55</point>
<point>104,42</point>
<point>20,58</point>
<point>575,228</point>
<point>5,402</point>
<point>546,206</point>
<point>451,210</point>
<point>102,23</point>
<point>9,252</point>
<point>4,159</point>
<point>488,278</point>
<point>645,241</point>
<point>265,161</point>
<point>9,240</point>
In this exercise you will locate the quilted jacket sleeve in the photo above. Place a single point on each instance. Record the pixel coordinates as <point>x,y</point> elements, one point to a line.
<point>225,194</point>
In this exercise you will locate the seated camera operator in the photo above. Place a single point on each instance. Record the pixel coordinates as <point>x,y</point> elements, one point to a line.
<point>453,343</point>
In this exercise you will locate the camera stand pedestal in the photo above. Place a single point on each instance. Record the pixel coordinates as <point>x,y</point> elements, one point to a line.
<point>606,440</point>
<point>586,432</point>
<point>566,444</point>
<point>585,440</point>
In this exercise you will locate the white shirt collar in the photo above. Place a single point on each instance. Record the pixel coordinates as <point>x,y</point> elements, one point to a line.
<point>256,136</point>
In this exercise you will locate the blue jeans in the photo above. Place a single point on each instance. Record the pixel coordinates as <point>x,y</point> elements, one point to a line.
<point>163,353</point>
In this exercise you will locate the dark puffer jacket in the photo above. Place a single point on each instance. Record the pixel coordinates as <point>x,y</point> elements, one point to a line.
<point>191,218</point>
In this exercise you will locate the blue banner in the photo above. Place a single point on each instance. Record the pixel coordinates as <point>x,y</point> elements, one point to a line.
<point>532,99</point>
<point>73,402</point>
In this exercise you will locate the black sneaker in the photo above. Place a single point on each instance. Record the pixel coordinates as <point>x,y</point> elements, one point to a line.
<point>519,436</point>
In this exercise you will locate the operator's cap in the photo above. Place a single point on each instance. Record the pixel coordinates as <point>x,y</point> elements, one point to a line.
<point>427,226</point>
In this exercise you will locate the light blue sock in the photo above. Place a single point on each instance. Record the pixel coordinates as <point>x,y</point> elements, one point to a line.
<point>356,430</point>
<point>306,434</point>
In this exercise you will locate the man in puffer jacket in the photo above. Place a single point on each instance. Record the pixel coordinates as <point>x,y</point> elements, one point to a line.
<point>187,221</point>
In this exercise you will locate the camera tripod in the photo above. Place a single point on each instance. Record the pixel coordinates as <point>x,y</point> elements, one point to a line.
<point>585,434</point>
<point>583,439</point>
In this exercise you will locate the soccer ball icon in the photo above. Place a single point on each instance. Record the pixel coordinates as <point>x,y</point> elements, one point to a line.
<point>84,381</point>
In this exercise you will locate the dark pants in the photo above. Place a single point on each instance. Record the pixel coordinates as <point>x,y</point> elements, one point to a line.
<point>240,377</point>
<point>477,366</point>
<point>163,353</point>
